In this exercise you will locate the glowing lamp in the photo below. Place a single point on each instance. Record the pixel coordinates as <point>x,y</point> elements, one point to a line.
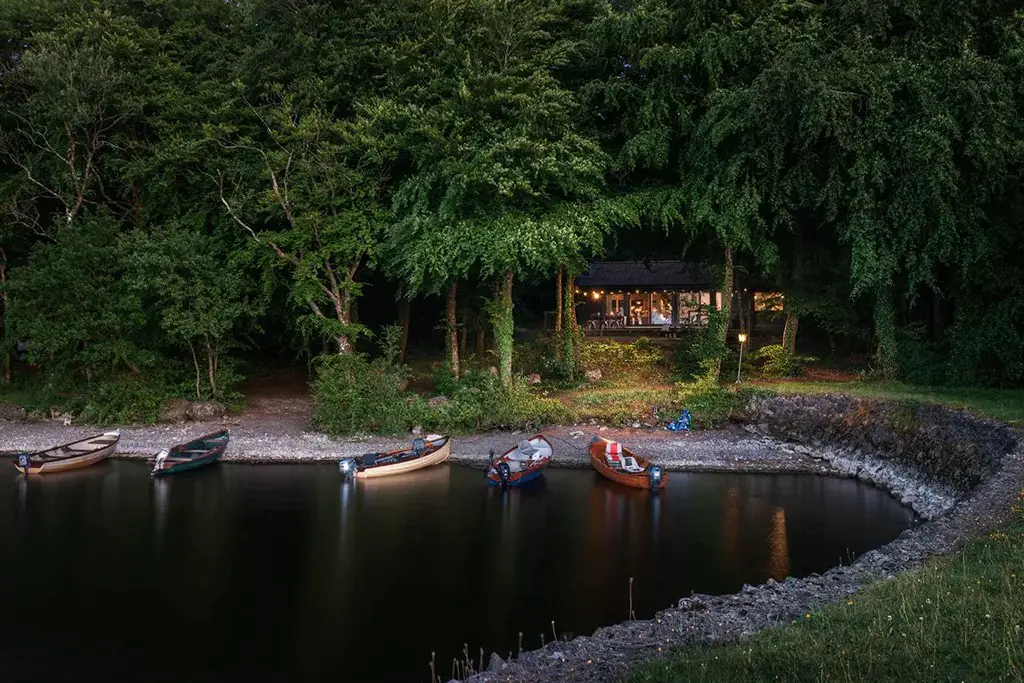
<point>742,336</point>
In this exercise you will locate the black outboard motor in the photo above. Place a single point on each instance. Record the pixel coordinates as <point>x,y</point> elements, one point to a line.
<point>505,472</point>
<point>419,446</point>
<point>24,460</point>
<point>654,477</point>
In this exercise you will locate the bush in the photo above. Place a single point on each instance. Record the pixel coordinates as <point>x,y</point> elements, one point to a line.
<point>480,402</point>
<point>698,358</point>
<point>713,405</point>
<point>642,357</point>
<point>773,361</point>
<point>126,400</point>
<point>354,394</point>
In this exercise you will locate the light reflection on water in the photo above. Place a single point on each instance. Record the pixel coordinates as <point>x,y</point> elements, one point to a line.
<point>298,576</point>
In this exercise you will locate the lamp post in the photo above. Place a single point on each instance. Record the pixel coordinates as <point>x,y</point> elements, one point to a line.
<point>742,337</point>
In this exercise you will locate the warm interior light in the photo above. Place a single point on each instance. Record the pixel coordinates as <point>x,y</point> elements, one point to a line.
<point>596,296</point>
<point>742,336</point>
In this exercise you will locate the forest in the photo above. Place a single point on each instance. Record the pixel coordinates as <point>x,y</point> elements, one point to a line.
<point>192,188</point>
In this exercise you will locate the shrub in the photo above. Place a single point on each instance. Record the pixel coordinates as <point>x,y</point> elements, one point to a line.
<point>773,361</point>
<point>705,349</point>
<point>480,402</point>
<point>125,400</point>
<point>354,394</point>
<point>642,357</point>
<point>713,405</point>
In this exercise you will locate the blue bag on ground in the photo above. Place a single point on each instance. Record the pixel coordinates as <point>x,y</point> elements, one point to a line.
<point>681,423</point>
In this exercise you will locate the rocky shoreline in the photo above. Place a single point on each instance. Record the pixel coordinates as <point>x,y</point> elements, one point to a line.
<point>960,473</point>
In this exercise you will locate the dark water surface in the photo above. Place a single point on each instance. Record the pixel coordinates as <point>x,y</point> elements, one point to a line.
<point>283,573</point>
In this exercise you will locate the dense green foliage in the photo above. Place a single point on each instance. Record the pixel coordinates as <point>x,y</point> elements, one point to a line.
<point>180,180</point>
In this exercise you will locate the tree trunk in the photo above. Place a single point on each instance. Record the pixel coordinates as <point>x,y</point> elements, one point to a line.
<point>792,317</point>
<point>570,350</point>
<point>462,341</point>
<point>481,342</point>
<point>558,300</point>
<point>453,330</point>
<point>403,319</point>
<point>4,297</point>
<point>789,332</point>
<point>726,313</point>
<point>344,314</point>
<point>211,363</point>
<point>885,333</point>
<point>503,327</point>
<point>199,374</point>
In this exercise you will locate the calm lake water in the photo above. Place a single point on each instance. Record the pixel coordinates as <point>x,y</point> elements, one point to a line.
<point>282,573</point>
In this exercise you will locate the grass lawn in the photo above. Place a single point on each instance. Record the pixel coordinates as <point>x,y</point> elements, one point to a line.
<point>959,619</point>
<point>1002,404</point>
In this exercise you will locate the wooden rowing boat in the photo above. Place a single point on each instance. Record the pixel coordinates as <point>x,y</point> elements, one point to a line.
<point>521,464</point>
<point>625,467</point>
<point>432,450</point>
<point>70,456</point>
<point>197,453</point>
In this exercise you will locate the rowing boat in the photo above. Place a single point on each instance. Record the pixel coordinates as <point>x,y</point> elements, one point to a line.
<point>625,467</point>
<point>432,450</point>
<point>521,464</point>
<point>70,456</point>
<point>197,453</point>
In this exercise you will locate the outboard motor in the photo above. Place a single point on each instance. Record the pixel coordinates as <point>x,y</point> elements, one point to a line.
<point>505,472</point>
<point>654,477</point>
<point>347,467</point>
<point>419,446</point>
<point>24,460</point>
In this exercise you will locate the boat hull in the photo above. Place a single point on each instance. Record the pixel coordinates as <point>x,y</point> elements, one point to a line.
<point>435,458</point>
<point>636,481</point>
<point>519,478</point>
<point>68,464</point>
<point>187,466</point>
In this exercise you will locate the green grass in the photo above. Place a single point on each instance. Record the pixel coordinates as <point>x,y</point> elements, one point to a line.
<point>1002,404</point>
<point>960,618</point>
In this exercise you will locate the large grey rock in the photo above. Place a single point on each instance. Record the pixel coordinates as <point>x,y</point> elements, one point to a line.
<point>534,378</point>
<point>594,375</point>
<point>12,413</point>
<point>174,411</point>
<point>438,401</point>
<point>201,411</point>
